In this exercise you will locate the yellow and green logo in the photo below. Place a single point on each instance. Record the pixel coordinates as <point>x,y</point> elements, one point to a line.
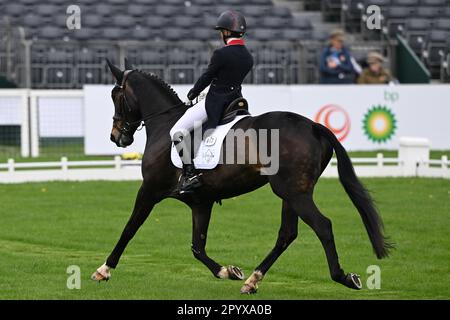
<point>379,124</point>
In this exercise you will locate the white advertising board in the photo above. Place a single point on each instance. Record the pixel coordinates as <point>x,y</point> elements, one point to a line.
<point>362,117</point>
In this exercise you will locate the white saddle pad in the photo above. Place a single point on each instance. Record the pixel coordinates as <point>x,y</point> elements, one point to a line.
<point>208,155</point>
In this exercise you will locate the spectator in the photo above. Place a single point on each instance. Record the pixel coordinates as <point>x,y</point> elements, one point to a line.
<point>375,73</point>
<point>336,66</point>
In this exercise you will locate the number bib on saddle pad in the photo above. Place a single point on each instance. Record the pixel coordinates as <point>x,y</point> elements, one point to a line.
<point>208,154</point>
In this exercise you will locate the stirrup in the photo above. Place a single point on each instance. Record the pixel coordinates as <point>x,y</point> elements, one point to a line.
<point>188,185</point>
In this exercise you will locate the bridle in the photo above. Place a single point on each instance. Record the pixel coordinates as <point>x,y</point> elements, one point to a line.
<point>131,126</point>
<point>127,126</point>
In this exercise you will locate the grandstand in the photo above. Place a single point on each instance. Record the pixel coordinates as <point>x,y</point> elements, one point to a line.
<point>424,23</point>
<point>174,38</point>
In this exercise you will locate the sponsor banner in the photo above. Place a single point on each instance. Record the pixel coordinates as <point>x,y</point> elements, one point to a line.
<point>362,117</point>
<point>365,117</point>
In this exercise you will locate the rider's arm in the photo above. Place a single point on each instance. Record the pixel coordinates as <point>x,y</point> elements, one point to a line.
<point>206,78</point>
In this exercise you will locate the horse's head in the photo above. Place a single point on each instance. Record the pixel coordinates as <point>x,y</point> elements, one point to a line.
<point>138,97</point>
<point>126,107</point>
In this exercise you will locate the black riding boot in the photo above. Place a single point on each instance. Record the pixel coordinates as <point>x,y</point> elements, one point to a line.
<point>190,180</point>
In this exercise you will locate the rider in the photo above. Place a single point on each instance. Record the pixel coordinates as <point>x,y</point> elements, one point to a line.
<point>227,69</point>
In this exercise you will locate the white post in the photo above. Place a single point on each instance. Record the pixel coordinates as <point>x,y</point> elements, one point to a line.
<point>10,165</point>
<point>64,164</point>
<point>444,166</point>
<point>118,162</point>
<point>25,126</point>
<point>412,152</point>
<point>380,160</point>
<point>34,127</point>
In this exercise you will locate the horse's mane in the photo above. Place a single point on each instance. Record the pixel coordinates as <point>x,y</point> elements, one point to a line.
<point>155,79</point>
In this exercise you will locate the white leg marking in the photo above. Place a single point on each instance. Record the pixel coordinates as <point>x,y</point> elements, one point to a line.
<point>223,273</point>
<point>251,284</point>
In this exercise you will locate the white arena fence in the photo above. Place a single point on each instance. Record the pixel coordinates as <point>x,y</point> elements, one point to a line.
<point>118,169</point>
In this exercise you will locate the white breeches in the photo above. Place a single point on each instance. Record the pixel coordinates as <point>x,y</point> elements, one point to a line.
<point>194,116</point>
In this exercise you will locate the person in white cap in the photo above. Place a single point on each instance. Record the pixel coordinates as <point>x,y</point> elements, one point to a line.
<point>375,73</point>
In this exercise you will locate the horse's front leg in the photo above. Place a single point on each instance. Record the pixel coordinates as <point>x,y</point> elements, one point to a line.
<point>201,214</point>
<point>143,206</point>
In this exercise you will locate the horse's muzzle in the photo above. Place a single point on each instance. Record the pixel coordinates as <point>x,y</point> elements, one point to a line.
<point>125,140</point>
<point>121,139</point>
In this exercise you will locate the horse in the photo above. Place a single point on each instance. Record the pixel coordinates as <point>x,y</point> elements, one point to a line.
<point>305,149</point>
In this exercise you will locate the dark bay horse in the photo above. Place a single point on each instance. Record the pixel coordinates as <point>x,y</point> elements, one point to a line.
<point>305,149</point>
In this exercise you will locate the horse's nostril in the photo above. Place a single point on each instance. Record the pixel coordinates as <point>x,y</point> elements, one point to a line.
<point>112,138</point>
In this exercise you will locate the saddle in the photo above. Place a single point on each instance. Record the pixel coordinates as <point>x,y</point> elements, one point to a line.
<point>209,153</point>
<point>236,108</point>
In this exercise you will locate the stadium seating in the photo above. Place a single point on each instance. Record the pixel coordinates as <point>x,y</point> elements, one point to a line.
<point>115,28</point>
<point>424,23</point>
<point>107,25</point>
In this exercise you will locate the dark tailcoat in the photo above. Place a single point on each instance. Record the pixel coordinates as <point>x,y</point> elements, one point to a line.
<point>226,72</point>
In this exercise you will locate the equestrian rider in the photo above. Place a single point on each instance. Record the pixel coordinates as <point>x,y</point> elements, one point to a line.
<point>226,71</point>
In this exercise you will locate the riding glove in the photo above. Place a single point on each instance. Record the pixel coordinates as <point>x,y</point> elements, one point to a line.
<point>192,95</point>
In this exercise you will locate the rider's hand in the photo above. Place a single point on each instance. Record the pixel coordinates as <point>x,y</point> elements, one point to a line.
<point>191,95</point>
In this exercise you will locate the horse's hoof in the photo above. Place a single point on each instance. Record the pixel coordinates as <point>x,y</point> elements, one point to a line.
<point>249,288</point>
<point>235,273</point>
<point>353,281</point>
<point>101,274</point>
<point>97,276</point>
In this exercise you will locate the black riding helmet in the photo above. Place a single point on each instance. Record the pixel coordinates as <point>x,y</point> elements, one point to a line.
<point>232,21</point>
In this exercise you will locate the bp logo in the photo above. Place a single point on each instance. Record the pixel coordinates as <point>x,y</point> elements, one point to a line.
<point>379,124</point>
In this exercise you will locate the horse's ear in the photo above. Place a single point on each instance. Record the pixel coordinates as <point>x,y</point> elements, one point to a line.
<point>117,73</point>
<point>128,65</point>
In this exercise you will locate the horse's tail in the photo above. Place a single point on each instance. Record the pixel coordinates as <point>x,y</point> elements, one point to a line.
<point>358,194</point>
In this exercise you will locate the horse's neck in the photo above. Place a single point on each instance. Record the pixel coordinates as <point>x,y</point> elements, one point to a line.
<point>161,125</point>
<point>158,104</point>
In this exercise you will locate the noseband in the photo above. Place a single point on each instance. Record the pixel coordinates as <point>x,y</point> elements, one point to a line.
<point>127,126</point>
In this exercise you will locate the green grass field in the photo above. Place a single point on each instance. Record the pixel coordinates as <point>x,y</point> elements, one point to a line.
<point>46,227</point>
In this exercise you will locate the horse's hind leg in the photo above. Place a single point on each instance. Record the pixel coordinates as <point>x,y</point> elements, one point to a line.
<point>305,207</point>
<point>286,235</point>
